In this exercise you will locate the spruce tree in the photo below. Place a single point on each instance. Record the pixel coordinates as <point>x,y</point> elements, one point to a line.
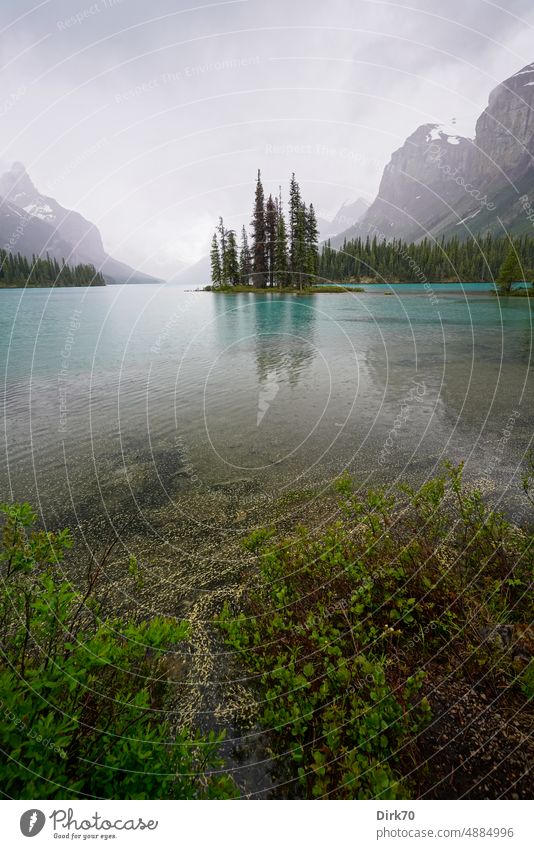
<point>295,204</point>
<point>222,242</point>
<point>510,271</point>
<point>299,241</point>
<point>312,244</point>
<point>215,257</point>
<point>271,216</point>
<point>231,262</point>
<point>259,261</point>
<point>281,256</point>
<point>245,264</point>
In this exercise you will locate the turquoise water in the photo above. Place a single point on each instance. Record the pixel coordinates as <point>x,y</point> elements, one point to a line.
<point>443,288</point>
<point>132,395</point>
<point>421,288</point>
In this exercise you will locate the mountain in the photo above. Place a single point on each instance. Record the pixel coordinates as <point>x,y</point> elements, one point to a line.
<point>347,216</point>
<point>198,274</point>
<point>350,213</point>
<point>32,223</point>
<point>441,184</point>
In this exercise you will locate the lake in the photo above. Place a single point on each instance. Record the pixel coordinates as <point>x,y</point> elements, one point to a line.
<point>125,400</point>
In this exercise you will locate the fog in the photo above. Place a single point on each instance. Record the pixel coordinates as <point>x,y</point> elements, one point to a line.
<point>152,119</point>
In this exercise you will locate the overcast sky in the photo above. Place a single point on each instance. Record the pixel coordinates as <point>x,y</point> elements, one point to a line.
<point>151,118</point>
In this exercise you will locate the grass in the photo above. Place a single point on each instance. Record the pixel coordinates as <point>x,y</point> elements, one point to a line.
<point>307,290</point>
<point>328,288</point>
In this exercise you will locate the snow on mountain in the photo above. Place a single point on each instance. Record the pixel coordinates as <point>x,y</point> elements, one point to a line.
<point>42,211</point>
<point>440,183</point>
<point>48,227</point>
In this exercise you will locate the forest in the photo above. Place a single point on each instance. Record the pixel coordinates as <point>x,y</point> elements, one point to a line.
<point>17,271</point>
<point>473,260</point>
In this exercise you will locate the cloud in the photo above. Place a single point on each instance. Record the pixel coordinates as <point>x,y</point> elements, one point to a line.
<point>158,116</point>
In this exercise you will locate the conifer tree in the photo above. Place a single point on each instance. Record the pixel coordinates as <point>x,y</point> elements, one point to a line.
<point>245,264</point>
<point>271,216</point>
<point>259,261</point>
<point>295,203</point>
<point>510,271</point>
<point>281,256</point>
<point>222,242</point>
<point>231,262</point>
<point>215,257</point>
<point>299,246</point>
<point>312,244</point>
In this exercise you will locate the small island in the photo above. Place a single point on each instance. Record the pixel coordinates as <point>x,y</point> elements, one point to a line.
<point>319,289</point>
<point>282,256</point>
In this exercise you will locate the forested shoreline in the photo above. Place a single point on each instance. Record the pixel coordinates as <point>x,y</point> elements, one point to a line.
<point>17,271</point>
<point>474,260</point>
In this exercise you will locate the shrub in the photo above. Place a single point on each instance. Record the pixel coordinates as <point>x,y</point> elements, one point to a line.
<point>83,699</point>
<point>338,626</point>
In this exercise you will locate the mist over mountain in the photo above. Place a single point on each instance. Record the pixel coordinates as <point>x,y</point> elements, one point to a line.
<point>33,223</point>
<point>348,215</point>
<point>438,183</point>
<point>442,184</point>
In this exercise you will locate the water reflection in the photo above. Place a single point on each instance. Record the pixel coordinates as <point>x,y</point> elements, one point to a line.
<point>285,341</point>
<point>259,386</point>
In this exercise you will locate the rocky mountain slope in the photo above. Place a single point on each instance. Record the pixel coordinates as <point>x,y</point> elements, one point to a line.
<point>442,184</point>
<point>32,223</point>
<point>347,216</point>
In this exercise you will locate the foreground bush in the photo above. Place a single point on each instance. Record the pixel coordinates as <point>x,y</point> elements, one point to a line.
<point>82,699</point>
<point>340,627</point>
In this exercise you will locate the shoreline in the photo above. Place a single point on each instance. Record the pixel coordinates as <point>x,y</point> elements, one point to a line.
<point>195,589</point>
<point>367,288</point>
<point>274,290</point>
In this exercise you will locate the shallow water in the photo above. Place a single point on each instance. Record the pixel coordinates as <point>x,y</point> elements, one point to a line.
<point>128,397</point>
